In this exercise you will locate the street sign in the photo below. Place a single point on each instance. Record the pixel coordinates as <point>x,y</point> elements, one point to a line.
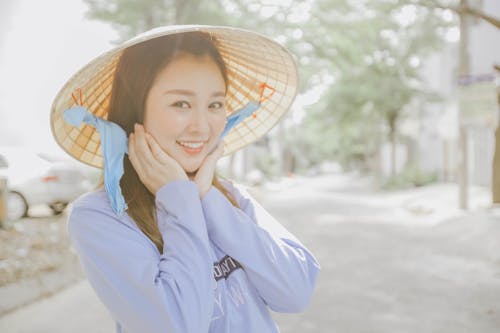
<point>477,97</point>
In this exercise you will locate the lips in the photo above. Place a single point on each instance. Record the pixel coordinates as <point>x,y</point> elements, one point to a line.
<point>192,148</point>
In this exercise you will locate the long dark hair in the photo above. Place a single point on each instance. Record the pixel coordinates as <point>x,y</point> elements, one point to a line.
<point>135,73</point>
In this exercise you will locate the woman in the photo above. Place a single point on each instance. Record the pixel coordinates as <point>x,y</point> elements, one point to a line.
<point>192,253</point>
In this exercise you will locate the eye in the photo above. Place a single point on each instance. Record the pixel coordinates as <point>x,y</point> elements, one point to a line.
<point>181,104</point>
<point>217,105</point>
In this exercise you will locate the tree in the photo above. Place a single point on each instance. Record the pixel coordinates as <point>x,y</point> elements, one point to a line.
<point>371,52</point>
<point>462,8</point>
<point>131,17</point>
<point>459,7</point>
<point>367,52</point>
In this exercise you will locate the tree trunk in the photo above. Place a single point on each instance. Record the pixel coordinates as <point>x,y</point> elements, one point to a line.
<point>496,168</point>
<point>393,154</point>
<point>463,71</point>
<point>496,157</point>
<point>392,137</point>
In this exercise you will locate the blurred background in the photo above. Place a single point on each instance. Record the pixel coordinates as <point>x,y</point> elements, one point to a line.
<point>387,165</point>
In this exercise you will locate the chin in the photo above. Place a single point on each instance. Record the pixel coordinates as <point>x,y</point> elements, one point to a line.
<point>191,164</point>
<point>191,168</point>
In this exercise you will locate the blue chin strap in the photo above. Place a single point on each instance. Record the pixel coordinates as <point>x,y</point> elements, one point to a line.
<point>114,145</point>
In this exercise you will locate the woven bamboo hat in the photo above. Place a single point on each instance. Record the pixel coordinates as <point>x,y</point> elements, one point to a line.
<point>251,60</point>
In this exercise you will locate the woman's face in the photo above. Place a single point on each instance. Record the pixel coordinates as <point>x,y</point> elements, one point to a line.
<point>185,106</point>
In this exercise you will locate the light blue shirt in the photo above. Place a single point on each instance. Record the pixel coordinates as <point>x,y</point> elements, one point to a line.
<point>222,268</point>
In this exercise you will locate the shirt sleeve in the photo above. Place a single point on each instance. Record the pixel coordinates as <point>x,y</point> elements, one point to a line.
<point>143,290</point>
<point>282,269</point>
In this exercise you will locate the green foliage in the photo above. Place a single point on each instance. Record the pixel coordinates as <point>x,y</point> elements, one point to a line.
<point>411,176</point>
<point>367,52</point>
<point>131,17</point>
<point>371,50</point>
<point>335,137</point>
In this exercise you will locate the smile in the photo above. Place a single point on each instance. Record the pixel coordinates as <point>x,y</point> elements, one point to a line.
<point>192,148</point>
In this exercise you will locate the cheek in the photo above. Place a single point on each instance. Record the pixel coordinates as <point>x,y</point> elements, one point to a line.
<point>163,127</point>
<point>219,123</point>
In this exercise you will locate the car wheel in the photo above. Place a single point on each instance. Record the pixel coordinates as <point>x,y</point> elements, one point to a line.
<point>58,207</point>
<point>17,207</point>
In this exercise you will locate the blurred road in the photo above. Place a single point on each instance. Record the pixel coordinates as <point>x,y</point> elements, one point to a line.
<point>404,261</point>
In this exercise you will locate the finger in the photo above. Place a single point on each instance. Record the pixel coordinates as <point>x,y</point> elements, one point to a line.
<point>218,151</point>
<point>160,155</point>
<point>132,155</point>
<point>205,172</point>
<point>142,148</point>
<point>211,159</point>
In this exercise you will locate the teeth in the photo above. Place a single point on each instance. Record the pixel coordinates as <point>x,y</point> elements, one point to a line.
<point>191,145</point>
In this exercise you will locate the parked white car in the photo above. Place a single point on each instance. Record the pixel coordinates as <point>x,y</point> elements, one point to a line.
<point>32,180</point>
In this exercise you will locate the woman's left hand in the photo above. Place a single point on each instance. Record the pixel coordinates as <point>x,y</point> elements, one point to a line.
<point>205,173</point>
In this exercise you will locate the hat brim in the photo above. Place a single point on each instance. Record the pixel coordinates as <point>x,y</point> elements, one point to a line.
<point>250,59</point>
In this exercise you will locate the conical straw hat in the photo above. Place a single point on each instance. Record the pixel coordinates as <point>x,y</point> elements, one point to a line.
<point>250,58</point>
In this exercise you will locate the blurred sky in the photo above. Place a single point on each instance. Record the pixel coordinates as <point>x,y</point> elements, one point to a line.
<point>42,43</point>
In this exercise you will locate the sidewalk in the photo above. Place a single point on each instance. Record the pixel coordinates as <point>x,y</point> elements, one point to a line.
<point>73,309</point>
<point>401,261</point>
<point>422,206</point>
<point>35,259</point>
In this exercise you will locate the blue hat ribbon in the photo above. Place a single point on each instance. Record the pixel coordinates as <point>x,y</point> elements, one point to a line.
<point>114,145</point>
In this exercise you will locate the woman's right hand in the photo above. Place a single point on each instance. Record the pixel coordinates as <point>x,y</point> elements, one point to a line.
<point>154,167</point>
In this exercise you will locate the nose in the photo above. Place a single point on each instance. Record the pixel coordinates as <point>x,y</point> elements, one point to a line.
<point>199,121</point>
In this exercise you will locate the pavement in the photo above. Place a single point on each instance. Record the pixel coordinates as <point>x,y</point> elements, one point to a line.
<point>398,261</point>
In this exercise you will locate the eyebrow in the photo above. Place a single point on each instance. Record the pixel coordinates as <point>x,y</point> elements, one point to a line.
<point>191,93</point>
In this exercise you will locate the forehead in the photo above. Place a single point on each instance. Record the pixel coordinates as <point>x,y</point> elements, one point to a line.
<point>189,71</point>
